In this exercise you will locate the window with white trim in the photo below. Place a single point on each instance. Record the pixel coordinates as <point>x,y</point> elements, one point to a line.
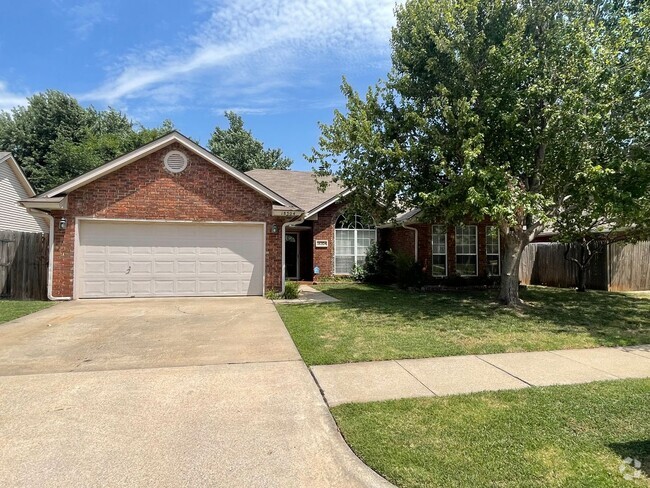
<point>466,250</point>
<point>352,238</point>
<point>439,250</point>
<point>493,250</point>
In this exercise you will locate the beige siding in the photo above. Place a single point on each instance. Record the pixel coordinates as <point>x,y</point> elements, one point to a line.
<point>12,215</point>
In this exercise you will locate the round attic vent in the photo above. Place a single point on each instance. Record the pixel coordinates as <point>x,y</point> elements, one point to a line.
<point>175,161</point>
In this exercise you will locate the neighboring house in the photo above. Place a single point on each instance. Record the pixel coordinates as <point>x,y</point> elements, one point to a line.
<point>14,187</point>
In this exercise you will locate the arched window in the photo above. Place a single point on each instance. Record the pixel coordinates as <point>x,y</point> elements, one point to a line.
<point>352,238</point>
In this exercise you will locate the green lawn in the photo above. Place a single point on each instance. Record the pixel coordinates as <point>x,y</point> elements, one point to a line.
<point>374,323</point>
<point>12,309</point>
<point>562,436</point>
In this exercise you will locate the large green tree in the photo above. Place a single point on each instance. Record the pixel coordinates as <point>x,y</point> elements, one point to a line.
<point>499,108</point>
<point>240,149</point>
<point>55,139</point>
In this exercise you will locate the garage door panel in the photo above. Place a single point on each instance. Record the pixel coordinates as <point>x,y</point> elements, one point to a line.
<point>161,267</point>
<point>96,288</point>
<point>186,287</point>
<point>231,267</point>
<point>96,267</point>
<point>208,268</point>
<point>141,287</point>
<point>99,251</point>
<point>117,267</point>
<point>186,267</point>
<point>117,288</point>
<point>208,287</point>
<point>229,287</point>
<point>165,287</point>
<point>141,267</point>
<point>168,259</point>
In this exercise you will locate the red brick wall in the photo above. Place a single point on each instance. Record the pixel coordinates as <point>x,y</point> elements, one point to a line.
<point>324,230</point>
<point>145,190</point>
<point>400,239</point>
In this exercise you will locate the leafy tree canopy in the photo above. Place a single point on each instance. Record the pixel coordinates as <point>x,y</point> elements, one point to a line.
<point>240,149</point>
<point>55,139</point>
<point>500,108</point>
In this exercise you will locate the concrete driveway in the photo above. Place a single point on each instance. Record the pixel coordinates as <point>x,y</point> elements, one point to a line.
<point>164,392</point>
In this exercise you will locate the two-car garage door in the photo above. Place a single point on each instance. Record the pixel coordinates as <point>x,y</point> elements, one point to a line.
<point>137,259</point>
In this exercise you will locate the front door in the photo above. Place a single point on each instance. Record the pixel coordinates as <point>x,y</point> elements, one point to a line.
<point>291,255</point>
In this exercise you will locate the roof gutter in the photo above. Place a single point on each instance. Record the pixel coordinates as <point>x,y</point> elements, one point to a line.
<point>45,203</point>
<point>327,203</point>
<point>50,264</point>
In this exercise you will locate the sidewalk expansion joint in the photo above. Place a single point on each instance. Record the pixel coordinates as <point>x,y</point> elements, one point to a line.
<point>588,365</point>
<point>414,377</point>
<point>504,370</point>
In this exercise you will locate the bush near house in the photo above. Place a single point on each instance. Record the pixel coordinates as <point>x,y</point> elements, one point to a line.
<point>291,290</point>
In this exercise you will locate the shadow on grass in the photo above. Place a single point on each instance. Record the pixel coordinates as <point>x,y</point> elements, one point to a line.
<point>639,450</point>
<point>611,318</point>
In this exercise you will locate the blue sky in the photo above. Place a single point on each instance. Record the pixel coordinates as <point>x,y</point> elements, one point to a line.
<point>278,63</point>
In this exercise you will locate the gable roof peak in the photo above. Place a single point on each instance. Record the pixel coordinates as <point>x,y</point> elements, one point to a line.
<point>153,146</point>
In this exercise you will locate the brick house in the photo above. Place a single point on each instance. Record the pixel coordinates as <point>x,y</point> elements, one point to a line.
<point>471,249</point>
<point>172,219</point>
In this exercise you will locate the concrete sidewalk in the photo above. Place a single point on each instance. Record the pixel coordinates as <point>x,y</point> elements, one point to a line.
<point>409,378</point>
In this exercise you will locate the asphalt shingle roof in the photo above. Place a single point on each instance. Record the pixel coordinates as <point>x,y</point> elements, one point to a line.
<point>299,187</point>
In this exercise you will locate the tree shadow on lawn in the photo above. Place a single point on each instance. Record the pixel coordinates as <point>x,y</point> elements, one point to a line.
<point>639,450</point>
<point>614,319</point>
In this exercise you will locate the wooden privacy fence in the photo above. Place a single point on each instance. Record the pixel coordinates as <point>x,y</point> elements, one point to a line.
<point>624,267</point>
<point>629,266</point>
<point>23,265</point>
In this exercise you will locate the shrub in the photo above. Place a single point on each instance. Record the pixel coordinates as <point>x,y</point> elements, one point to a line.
<point>272,295</point>
<point>379,265</point>
<point>359,273</point>
<point>408,272</point>
<point>291,290</point>
<point>372,262</point>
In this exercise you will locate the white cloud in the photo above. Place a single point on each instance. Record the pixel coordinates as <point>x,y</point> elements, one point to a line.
<point>8,99</point>
<point>83,16</point>
<point>249,43</point>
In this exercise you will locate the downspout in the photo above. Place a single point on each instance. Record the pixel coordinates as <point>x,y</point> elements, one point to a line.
<point>50,264</point>
<point>299,221</point>
<point>416,239</point>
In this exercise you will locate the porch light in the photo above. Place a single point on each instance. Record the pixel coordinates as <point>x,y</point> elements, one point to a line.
<point>274,228</point>
<point>63,224</point>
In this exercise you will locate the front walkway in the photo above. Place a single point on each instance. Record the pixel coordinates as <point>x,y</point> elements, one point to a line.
<point>308,295</point>
<point>409,378</point>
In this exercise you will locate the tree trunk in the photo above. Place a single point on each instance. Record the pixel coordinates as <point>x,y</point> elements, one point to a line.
<point>513,248</point>
<point>582,278</point>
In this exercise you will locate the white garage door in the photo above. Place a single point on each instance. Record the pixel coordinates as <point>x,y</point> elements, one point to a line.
<point>135,259</point>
